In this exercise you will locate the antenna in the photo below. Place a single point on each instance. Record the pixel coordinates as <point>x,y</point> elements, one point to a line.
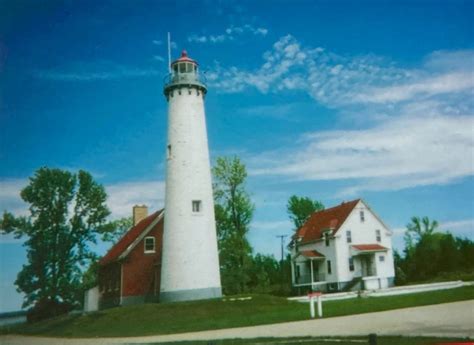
<point>169,52</point>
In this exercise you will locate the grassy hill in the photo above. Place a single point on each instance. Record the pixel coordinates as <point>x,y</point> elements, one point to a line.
<point>167,318</point>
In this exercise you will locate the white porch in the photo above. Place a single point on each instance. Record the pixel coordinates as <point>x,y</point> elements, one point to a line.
<point>308,269</point>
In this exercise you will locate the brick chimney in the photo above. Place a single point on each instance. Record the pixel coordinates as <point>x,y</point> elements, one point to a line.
<point>139,212</point>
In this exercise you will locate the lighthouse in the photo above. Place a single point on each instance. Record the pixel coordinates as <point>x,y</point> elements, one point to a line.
<point>190,261</point>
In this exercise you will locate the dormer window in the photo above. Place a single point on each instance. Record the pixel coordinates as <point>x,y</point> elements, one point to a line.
<point>326,238</point>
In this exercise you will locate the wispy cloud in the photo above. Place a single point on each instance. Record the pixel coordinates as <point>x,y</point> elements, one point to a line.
<point>282,225</point>
<point>10,199</point>
<point>460,228</point>
<point>123,196</point>
<point>158,58</point>
<point>403,152</point>
<point>287,111</point>
<point>421,125</point>
<point>229,34</point>
<point>335,80</point>
<point>99,70</point>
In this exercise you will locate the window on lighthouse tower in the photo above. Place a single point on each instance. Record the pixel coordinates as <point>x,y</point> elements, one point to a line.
<point>196,206</point>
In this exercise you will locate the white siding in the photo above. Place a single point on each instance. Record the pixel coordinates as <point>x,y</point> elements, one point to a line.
<point>363,233</point>
<point>339,250</point>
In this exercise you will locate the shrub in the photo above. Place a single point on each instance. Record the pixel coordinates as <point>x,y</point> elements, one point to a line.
<point>46,309</point>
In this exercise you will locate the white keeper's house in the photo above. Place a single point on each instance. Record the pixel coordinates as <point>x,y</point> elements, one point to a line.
<point>346,247</point>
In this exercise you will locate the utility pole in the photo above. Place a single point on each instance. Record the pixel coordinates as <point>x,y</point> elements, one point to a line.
<point>282,238</point>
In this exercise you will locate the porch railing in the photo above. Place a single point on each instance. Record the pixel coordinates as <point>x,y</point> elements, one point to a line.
<point>366,273</point>
<point>306,278</point>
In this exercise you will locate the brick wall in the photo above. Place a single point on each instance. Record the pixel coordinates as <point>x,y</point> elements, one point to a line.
<point>141,271</point>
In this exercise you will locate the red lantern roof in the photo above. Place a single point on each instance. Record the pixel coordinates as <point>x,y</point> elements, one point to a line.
<point>184,58</point>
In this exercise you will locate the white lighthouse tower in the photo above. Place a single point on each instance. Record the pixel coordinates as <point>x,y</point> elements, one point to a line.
<point>190,261</point>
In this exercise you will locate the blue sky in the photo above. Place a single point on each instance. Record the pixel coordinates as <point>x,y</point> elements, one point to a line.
<point>332,100</point>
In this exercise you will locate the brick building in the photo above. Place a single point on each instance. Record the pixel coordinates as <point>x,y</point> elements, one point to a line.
<point>130,271</point>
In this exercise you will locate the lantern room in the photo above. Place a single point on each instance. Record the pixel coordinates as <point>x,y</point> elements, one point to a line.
<point>184,64</point>
<point>184,73</point>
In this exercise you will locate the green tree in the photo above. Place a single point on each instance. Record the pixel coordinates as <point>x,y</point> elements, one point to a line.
<point>300,209</point>
<point>417,229</point>
<point>67,214</point>
<point>117,228</point>
<point>234,211</point>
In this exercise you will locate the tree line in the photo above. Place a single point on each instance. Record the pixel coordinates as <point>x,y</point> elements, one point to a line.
<point>433,254</point>
<point>68,213</point>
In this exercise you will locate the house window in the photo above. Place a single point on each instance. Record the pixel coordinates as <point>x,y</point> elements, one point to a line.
<point>351,264</point>
<point>196,206</point>
<point>378,236</point>
<point>329,267</point>
<point>381,258</point>
<point>297,270</point>
<point>149,244</point>
<point>362,216</point>
<point>326,239</point>
<point>168,151</point>
<point>349,236</point>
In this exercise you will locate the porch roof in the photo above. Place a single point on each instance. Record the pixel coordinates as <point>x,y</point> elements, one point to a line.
<point>312,254</point>
<point>368,248</point>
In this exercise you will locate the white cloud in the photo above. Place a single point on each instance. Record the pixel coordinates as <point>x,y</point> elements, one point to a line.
<point>335,80</point>
<point>10,239</point>
<point>401,152</point>
<point>282,225</point>
<point>459,228</point>
<point>421,119</point>
<point>123,196</point>
<point>158,58</point>
<point>197,39</point>
<point>99,70</point>
<point>445,83</point>
<point>157,42</point>
<point>10,199</point>
<point>229,34</point>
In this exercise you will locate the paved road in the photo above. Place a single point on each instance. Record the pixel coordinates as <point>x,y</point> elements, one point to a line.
<point>450,319</point>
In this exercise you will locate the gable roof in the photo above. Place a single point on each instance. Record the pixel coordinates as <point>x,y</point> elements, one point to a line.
<point>329,219</point>
<point>129,240</point>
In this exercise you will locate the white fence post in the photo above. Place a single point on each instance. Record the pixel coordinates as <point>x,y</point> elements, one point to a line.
<point>311,306</point>
<point>320,306</point>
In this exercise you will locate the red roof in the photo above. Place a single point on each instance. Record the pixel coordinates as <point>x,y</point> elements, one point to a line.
<point>184,57</point>
<point>130,236</point>
<point>312,254</point>
<point>329,219</point>
<point>369,247</point>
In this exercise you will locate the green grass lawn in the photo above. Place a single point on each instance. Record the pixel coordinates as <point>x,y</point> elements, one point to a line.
<point>168,318</point>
